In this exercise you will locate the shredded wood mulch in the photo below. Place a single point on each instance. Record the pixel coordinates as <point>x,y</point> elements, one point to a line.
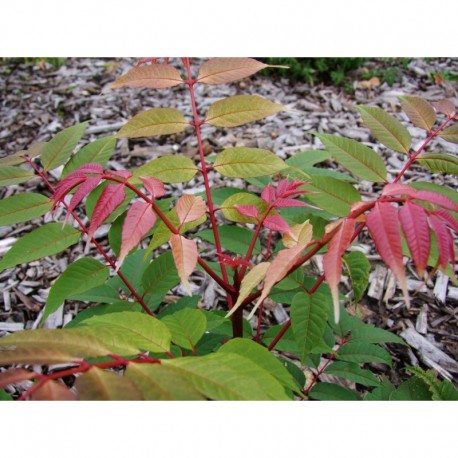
<point>37,101</point>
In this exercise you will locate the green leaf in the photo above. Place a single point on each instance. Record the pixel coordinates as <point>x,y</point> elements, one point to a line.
<point>241,162</point>
<point>120,306</point>
<point>242,198</point>
<point>80,276</point>
<point>159,382</point>
<point>159,277</point>
<point>99,151</point>
<point>228,376</point>
<point>261,357</point>
<point>331,392</point>
<point>44,241</point>
<point>359,159</point>
<point>240,109</point>
<point>364,353</point>
<point>370,334</point>
<point>381,393</point>
<point>13,175</point>
<point>413,389</point>
<point>180,304</point>
<point>331,195</point>
<point>419,111</point>
<point>99,385</point>
<point>309,314</point>
<point>187,327</point>
<point>4,396</point>
<point>157,121</point>
<point>233,238</point>
<point>439,163</point>
<point>352,372</point>
<point>450,134</point>
<point>169,169</point>
<point>440,390</point>
<point>358,267</point>
<point>23,207</point>
<point>386,128</point>
<point>103,293</point>
<point>307,158</point>
<point>286,343</point>
<point>58,150</point>
<point>137,329</point>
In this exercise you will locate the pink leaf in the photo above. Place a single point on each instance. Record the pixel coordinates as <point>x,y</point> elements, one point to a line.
<point>287,189</point>
<point>112,196</point>
<point>85,188</point>
<point>444,240</point>
<point>414,223</point>
<point>190,208</point>
<point>451,222</point>
<point>276,223</point>
<point>268,194</point>
<point>438,199</point>
<point>154,186</point>
<point>247,210</point>
<point>88,168</point>
<point>65,186</point>
<point>396,189</point>
<point>288,202</point>
<point>383,224</point>
<point>139,220</point>
<point>120,173</point>
<point>332,260</point>
<point>185,256</point>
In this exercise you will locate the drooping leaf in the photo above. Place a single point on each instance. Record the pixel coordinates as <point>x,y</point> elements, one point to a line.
<point>137,329</point>
<point>331,195</point>
<point>384,226</point>
<point>450,134</point>
<point>23,207</point>
<point>262,357</point>
<point>52,390</point>
<point>160,276</point>
<point>309,314</point>
<point>112,196</point>
<point>80,276</point>
<point>414,223</point>
<point>98,151</point>
<point>229,207</point>
<point>83,190</point>
<point>139,220</point>
<point>187,327</point>
<point>99,385</point>
<point>352,372</point>
<point>358,267</point>
<point>58,150</point>
<point>168,169</point>
<point>153,76</point>
<point>220,70</point>
<point>159,382</point>
<point>233,238</point>
<point>252,279</point>
<point>364,353</point>
<point>241,162</point>
<point>43,241</point>
<point>300,234</point>
<point>229,376</point>
<point>277,270</point>
<point>359,159</point>
<point>386,128</point>
<point>331,392</point>
<point>444,240</point>
<point>190,208</point>
<point>332,260</point>
<point>419,111</point>
<point>185,256</point>
<point>13,175</point>
<point>439,163</point>
<point>240,109</point>
<point>276,223</point>
<point>156,121</point>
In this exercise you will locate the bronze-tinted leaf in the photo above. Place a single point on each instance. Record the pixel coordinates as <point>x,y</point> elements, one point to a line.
<point>154,76</point>
<point>419,111</point>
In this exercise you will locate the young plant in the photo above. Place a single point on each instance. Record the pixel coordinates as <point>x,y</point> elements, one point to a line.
<point>131,344</point>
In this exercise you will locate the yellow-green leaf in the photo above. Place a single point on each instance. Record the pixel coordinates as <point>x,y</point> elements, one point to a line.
<point>157,121</point>
<point>154,76</point>
<point>23,207</point>
<point>386,128</point>
<point>439,163</point>
<point>242,198</point>
<point>13,175</point>
<point>241,109</point>
<point>241,162</point>
<point>18,158</point>
<point>450,134</point>
<point>169,169</point>
<point>419,111</point>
